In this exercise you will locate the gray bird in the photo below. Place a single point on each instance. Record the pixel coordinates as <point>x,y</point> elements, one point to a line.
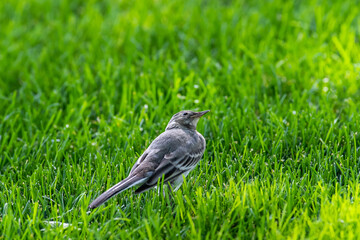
<point>173,154</point>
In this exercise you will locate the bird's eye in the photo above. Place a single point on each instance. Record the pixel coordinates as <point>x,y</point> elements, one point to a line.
<point>185,114</point>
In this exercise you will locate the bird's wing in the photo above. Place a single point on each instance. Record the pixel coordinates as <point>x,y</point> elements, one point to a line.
<point>140,160</point>
<point>156,151</point>
<point>172,166</point>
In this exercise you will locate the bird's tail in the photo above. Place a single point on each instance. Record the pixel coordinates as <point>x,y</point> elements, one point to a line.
<point>116,189</point>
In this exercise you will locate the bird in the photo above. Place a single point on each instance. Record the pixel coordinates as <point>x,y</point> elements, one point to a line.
<point>171,156</point>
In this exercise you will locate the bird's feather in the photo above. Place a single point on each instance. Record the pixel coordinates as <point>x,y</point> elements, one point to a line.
<point>173,165</point>
<point>171,175</point>
<point>118,188</point>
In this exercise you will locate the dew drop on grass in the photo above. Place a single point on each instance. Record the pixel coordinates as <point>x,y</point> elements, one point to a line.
<point>181,96</point>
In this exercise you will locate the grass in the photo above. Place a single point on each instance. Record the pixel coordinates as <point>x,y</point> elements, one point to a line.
<point>85,86</point>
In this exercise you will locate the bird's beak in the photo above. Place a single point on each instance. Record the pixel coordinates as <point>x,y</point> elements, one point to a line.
<point>200,114</point>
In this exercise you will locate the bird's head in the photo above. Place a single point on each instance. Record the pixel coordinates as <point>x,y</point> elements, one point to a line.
<point>185,119</point>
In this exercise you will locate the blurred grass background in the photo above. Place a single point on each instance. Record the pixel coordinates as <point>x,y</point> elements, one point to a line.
<point>85,86</point>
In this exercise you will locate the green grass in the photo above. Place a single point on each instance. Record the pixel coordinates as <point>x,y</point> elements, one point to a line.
<point>85,86</point>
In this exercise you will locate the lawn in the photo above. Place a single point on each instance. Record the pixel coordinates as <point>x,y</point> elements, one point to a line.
<point>85,86</point>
